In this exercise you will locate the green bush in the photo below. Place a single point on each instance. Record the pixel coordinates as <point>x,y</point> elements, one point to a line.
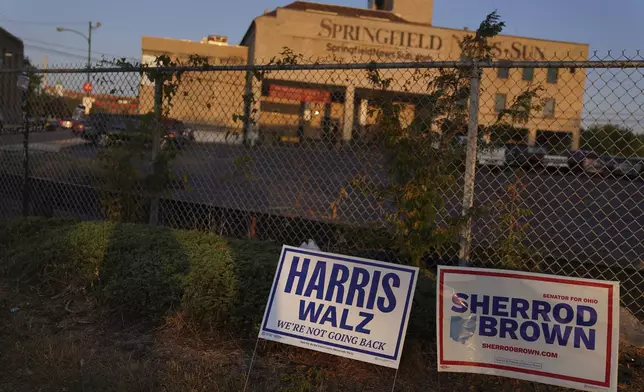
<point>51,254</point>
<point>211,285</point>
<point>230,289</point>
<point>143,271</point>
<point>147,272</point>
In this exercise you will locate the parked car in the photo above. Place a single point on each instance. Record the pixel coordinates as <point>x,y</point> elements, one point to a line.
<point>555,162</point>
<point>52,125</point>
<point>587,161</point>
<point>617,166</point>
<point>487,155</point>
<point>491,156</point>
<point>37,124</point>
<point>621,166</point>
<point>66,123</point>
<point>177,134</point>
<point>107,128</point>
<point>638,164</point>
<point>525,156</point>
<point>103,128</point>
<point>78,117</point>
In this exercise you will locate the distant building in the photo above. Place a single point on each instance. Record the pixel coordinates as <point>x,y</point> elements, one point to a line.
<point>313,103</point>
<point>11,57</point>
<point>210,98</point>
<point>100,102</point>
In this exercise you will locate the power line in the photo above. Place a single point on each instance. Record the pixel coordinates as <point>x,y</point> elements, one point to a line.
<point>25,22</point>
<point>59,52</point>
<point>75,48</point>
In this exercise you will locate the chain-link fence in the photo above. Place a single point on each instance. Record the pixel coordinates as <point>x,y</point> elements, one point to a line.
<point>527,165</point>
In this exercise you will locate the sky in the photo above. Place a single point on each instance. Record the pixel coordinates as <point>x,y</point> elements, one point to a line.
<point>616,28</point>
<point>604,27</point>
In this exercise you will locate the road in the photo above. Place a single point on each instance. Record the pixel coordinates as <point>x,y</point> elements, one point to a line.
<point>34,137</point>
<point>573,217</point>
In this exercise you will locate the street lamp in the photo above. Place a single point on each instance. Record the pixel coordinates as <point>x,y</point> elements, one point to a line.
<point>88,38</point>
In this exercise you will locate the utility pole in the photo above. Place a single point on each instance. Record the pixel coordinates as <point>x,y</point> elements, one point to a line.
<point>45,65</point>
<point>88,38</point>
<point>89,50</point>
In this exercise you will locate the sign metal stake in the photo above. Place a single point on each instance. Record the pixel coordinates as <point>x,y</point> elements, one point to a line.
<point>250,367</point>
<point>395,378</point>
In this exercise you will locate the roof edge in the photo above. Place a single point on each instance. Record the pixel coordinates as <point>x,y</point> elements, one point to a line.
<point>11,36</point>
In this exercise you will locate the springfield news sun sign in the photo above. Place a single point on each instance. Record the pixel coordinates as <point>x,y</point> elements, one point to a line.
<point>346,306</point>
<point>555,330</point>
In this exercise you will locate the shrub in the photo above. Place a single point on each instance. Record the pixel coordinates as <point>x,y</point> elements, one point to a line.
<point>230,289</point>
<point>255,265</point>
<point>144,271</point>
<point>51,254</point>
<point>211,285</point>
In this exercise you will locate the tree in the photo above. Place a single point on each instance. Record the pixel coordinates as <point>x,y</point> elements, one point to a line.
<point>423,162</point>
<point>612,140</point>
<point>133,168</point>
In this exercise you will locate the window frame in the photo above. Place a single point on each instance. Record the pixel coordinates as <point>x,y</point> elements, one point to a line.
<point>553,102</point>
<point>556,75</point>
<point>505,102</point>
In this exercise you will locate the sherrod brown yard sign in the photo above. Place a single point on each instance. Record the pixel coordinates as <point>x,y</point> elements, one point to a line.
<point>544,328</point>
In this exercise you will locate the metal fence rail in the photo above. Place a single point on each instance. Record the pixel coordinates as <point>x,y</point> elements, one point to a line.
<point>379,160</point>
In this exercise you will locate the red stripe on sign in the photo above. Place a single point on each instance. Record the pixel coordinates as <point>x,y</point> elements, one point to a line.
<point>538,278</point>
<point>442,361</point>
<point>440,313</point>
<point>609,339</point>
<point>527,371</point>
<point>299,93</point>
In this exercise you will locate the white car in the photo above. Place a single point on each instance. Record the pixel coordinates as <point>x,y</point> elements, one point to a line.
<point>491,156</point>
<point>486,154</point>
<point>555,162</point>
<point>620,166</point>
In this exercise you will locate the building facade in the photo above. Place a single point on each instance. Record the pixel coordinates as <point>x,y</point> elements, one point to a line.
<point>316,104</point>
<point>11,57</point>
<point>207,99</point>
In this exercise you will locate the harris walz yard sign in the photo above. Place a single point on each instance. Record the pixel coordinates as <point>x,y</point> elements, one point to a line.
<point>341,305</point>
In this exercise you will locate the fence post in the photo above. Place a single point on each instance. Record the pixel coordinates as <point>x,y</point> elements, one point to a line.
<point>470,163</point>
<point>26,194</point>
<point>156,144</point>
<point>25,162</point>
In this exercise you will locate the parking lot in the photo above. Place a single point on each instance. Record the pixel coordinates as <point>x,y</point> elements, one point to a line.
<point>574,216</point>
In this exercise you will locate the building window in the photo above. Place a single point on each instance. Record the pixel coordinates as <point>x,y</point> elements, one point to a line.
<point>553,75</point>
<point>528,74</point>
<point>503,73</point>
<point>379,5</point>
<point>499,102</point>
<point>549,108</point>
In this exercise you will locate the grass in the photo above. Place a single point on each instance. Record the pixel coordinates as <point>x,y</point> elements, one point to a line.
<point>64,324</point>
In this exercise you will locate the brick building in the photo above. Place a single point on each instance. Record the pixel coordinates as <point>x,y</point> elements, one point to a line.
<point>204,98</point>
<point>11,57</point>
<point>389,31</point>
